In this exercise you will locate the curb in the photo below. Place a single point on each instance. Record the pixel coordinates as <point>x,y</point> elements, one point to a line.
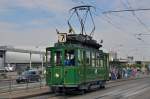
<point>32,95</point>
<point>22,94</point>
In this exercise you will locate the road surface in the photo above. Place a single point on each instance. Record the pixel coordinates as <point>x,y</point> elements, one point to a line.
<point>131,89</point>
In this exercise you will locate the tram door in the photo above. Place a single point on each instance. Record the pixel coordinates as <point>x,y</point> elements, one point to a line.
<point>55,70</point>
<point>70,66</point>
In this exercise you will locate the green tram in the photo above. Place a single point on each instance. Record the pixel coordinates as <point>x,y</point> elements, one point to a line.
<point>76,63</point>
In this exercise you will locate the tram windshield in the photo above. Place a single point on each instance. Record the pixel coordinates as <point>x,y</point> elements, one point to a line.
<point>69,58</point>
<point>48,57</point>
<point>57,58</point>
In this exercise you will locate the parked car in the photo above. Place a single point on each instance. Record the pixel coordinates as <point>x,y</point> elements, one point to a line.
<point>29,76</point>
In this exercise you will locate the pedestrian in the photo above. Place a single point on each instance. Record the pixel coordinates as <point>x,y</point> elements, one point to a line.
<point>113,74</point>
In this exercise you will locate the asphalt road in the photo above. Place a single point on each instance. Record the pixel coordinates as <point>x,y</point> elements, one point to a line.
<point>132,89</point>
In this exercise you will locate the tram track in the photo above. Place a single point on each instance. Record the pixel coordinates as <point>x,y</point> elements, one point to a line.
<point>125,89</point>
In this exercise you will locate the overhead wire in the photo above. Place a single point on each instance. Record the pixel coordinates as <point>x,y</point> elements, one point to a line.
<point>123,17</point>
<point>120,28</point>
<point>128,6</point>
<point>138,19</point>
<point>109,20</point>
<point>126,10</point>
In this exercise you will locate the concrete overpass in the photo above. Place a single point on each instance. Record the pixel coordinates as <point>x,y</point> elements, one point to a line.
<point>4,49</point>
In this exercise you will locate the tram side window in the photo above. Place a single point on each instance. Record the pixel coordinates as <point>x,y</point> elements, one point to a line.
<point>57,57</point>
<point>93,59</point>
<point>48,57</point>
<point>101,63</point>
<point>97,60</point>
<point>107,61</point>
<point>101,59</point>
<point>69,58</point>
<point>80,57</point>
<point>88,57</point>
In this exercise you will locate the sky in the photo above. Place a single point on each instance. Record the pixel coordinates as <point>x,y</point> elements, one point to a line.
<point>33,23</point>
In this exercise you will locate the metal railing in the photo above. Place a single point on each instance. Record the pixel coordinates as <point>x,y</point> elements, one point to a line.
<point>9,84</point>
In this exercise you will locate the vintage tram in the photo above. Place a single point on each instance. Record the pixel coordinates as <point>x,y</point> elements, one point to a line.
<point>76,63</point>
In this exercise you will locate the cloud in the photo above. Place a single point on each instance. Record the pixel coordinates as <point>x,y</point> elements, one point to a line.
<point>34,37</point>
<point>39,22</point>
<point>7,26</point>
<point>5,4</point>
<point>51,5</point>
<point>12,34</point>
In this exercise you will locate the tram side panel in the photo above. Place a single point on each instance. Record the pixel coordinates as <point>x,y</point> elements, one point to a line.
<point>95,67</point>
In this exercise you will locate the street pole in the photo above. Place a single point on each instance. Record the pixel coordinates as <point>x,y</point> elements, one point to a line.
<point>42,63</point>
<point>30,60</point>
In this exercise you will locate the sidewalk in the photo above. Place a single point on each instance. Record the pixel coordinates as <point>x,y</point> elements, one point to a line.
<point>21,94</point>
<point>140,76</point>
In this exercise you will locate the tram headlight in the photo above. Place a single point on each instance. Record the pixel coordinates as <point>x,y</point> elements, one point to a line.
<point>57,75</point>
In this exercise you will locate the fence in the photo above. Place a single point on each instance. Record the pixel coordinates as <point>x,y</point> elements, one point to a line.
<point>9,84</point>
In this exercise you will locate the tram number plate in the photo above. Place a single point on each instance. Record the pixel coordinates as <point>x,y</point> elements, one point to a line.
<point>62,37</point>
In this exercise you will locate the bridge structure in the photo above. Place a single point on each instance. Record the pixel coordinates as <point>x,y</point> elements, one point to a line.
<point>4,49</point>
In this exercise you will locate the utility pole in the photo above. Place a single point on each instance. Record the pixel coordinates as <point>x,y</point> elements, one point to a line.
<point>30,60</point>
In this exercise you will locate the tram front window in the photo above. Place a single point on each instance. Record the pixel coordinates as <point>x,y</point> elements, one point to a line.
<point>57,58</point>
<point>69,58</point>
<point>48,57</point>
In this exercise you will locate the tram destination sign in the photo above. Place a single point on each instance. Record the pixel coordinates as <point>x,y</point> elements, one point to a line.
<point>62,37</point>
